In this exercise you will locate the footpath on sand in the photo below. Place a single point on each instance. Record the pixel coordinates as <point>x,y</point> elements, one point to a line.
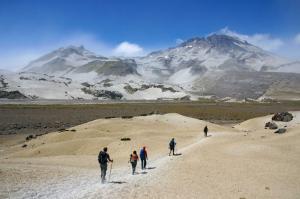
<point>122,182</point>
<point>71,182</point>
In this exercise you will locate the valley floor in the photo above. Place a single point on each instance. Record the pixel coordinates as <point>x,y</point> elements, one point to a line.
<point>44,116</point>
<point>241,161</point>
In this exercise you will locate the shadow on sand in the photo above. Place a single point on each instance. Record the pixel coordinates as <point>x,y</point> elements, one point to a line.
<point>177,154</point>
<point>151,168</point>
<point>143,172</point>
<point>117,182</point>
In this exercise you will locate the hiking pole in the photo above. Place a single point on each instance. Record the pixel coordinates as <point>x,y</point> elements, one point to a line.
<point>110,172</point>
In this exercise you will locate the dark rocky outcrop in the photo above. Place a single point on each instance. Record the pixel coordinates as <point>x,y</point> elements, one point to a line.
<point>86,84</point>
<point>12,95</point>
<point>30,137</point>
<point>127,117</point>
<point>280,131</point>
<point>103,93</point>
<point>130,89</point>
<point>3,84</point>
<point>163,88</point>
<point>185,98</point>
<point>271,125</point>
<point>283,116</point>
<point>24,78</point>
<point>125,139</point>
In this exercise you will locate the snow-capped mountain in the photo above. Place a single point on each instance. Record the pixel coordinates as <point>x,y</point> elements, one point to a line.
<point>72,59</point>
<point>196,56</point>
<point>217,65</point>
<point>62,60</point>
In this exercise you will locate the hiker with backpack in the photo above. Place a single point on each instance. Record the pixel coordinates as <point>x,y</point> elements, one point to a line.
<point>103,159</point>
<point>205,130</point>
<point>133,160</point>
<point>172,145</point>
<point>143,157</point>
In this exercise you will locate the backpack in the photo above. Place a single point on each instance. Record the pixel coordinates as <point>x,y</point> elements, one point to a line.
<point>102,157</point>
<point>172,144</point>
<point>205,129</point>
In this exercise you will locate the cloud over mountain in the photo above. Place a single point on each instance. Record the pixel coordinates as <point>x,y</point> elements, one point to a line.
<point>263,40</point>
<point>127,49</point>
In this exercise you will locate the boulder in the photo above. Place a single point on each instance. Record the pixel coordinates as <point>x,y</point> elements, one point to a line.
<point>125,139</point>
<point>280,131</point>
<point>127,117</point>
<point>30,137</point>
<point>283,116</point>
<point>271,125</point>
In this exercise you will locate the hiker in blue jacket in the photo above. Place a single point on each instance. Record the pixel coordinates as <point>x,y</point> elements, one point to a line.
<point>143,157</point>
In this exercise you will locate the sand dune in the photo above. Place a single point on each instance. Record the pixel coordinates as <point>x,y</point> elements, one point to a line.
<point>244,161</point>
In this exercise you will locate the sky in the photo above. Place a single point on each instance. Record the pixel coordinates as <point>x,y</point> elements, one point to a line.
<point>31,28</point>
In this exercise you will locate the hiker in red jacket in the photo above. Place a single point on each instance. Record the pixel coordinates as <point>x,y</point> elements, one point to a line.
<point>133,160</point>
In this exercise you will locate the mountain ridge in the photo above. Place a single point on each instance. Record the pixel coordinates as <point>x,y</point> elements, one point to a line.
<point>198,67</point>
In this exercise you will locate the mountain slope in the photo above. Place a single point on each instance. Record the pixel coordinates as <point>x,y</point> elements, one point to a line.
<point>72,59</point>
<point>216,66</point>
<point>199,55</point>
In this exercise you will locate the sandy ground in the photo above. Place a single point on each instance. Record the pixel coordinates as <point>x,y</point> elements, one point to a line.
<point>241,161</point>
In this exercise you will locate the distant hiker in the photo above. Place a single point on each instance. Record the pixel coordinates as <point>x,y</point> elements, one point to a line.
<point>205,130</point>
<point>103,159</point>
<point>133,160</point>
<point>144,157</point>
<point>172,145</point>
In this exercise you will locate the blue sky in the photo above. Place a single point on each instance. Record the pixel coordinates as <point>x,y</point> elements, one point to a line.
<point>30,28</point>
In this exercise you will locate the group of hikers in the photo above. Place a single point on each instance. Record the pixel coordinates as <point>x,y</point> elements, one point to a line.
<point>104,158</point>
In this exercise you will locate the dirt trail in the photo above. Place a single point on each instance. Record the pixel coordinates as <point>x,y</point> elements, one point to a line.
<point>247,161</point>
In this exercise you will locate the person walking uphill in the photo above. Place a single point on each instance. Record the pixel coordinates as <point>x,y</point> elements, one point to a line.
<point>205,130</point>
<point>103,159</point>
<point>133,160</point>
<point>144,157</point>
<point>172,145</point>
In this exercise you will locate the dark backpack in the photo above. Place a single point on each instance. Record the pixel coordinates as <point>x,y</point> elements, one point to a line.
<point>205,129</point>
<point>172,144</point>
<point>102,157</point>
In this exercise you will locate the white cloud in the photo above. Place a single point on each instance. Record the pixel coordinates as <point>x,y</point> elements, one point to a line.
<point>127,49</point>
<point>297,39</point>
<point>263,40</point>
<point>179,41</point>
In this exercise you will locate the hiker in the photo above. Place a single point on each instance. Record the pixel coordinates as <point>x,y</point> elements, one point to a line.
<point>103,159</point>
<point>172,146</point>
<point>205,130</point>
<point>143,157</point>
<point>133,160</point>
